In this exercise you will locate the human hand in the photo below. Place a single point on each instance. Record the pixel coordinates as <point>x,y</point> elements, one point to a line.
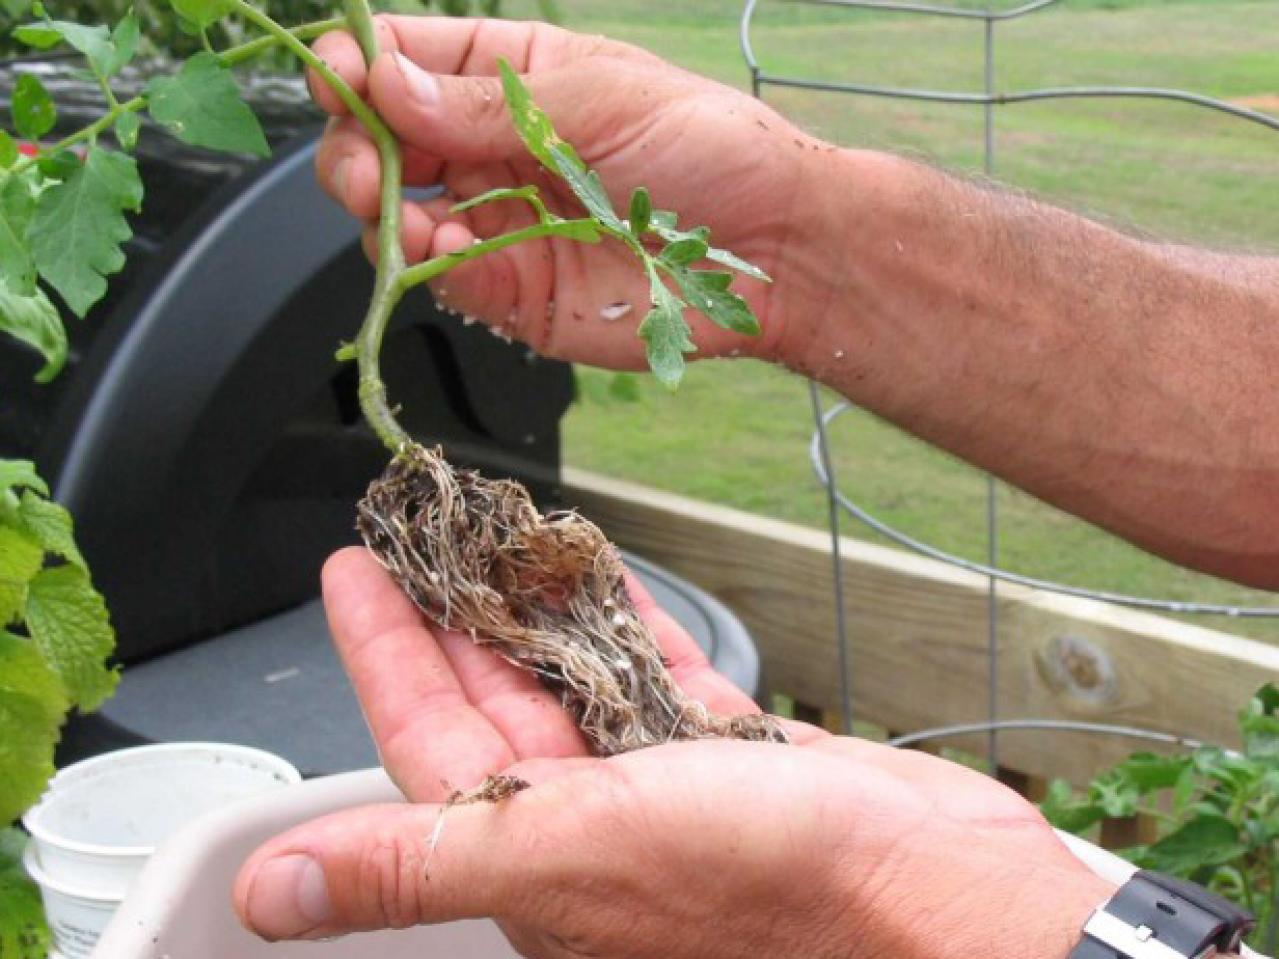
<point>832,847</point>
<point>713,154</point>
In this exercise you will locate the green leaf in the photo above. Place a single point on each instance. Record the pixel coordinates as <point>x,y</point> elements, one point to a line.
<point>21,558</point>
<point>1114,795</point>
<point>707,292</point>
<point>202,106</point>
<point>68,623</point>
<point>202,13</point>
<point>1183,790</point>
<point>1260,736</point>
<point>1067,812</point>
<point>51,526</point>
<point>1266,701</point>
<point>531,123</point>
<point>33,111</point>
<point>59,166</point>
<point>127,128</point>
<point>15,9</point>
<point>641,211</point>
<point>666,334</point>
<point>17,204</point>
<point>733,262</point>
<point>1204,841</point>
<point>663,220</point>
<point>34,320</point>
<point>79,227</point>
<point>8,150</point>
<point>21,474</point>
<point>1233,771</point>
<point>37,35</point>
<point>347,353</point>
<point>32,707</point>
<point>125,38</point>
<point>94,42</point>
<point>24,934</point>
<point>665,225</point>
<point>685,252</point>
<point>587,186</point>
<point>539,137</point>
<point>1146,772</point>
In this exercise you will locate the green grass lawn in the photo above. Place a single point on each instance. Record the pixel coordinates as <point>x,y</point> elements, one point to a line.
<point>737,433</point>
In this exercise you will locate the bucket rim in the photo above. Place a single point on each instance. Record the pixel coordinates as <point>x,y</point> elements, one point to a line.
<point>31,864</point>
<point>279,767</point>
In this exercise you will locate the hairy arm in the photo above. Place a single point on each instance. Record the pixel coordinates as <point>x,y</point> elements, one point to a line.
<point>1128,382</point>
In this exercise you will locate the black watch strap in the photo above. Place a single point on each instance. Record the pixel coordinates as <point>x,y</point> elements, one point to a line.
<point>1158,917</point>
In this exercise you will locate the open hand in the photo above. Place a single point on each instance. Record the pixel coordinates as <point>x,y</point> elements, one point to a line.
<point>830,848</point>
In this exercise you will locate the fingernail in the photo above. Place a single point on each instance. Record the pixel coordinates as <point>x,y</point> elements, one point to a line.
<point>422,86</point>
<point>288,898</point>
<point>340,172</point>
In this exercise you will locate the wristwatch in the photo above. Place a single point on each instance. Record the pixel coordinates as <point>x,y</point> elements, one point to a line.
<point>1153,916</point>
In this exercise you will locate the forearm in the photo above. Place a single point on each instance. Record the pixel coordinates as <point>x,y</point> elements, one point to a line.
<point>1130,383</point>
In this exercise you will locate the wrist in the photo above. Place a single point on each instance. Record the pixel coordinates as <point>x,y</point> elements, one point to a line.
<point>840,217</point>
<point>1065,927</point>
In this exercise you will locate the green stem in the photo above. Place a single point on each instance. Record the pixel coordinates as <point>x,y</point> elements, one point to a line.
<point>416,275</point>
<point>372,391</point>
<point>350,99</point>
<point>394,278</point>
<point>390,264</point>
<point>308,31</point>
<point>360,17</point>
<point>90,132</point>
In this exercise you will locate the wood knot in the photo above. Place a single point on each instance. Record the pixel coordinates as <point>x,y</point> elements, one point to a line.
<point>1079,669</point>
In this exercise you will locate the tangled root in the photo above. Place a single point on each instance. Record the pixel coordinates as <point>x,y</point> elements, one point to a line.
<point>545,592</point>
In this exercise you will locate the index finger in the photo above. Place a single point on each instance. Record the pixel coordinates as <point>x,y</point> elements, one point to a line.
<point>459,46</point>
<point>340,51</point>
<point>430,737</point>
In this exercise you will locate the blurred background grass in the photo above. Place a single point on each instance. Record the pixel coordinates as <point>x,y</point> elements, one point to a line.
<point>737,433</point>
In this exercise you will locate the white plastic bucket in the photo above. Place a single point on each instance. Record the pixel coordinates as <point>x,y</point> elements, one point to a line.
<point>76,916</point>
<point>101,819</point>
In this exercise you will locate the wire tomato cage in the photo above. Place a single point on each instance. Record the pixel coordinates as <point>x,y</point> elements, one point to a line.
<point>989,98</point>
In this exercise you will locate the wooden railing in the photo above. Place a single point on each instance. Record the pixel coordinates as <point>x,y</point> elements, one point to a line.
<point>919,636</point>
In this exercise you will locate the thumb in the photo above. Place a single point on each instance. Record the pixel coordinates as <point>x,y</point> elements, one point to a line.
<point>375,868</point>
<point>456,118</point>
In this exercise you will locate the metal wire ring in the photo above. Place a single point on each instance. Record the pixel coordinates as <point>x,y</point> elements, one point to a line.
<point>1006,576</point>
<point>1052,725</point>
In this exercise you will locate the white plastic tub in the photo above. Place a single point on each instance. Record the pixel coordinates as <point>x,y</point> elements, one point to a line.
<point>101,819</point>
<point>76,916</point>
<point>180,907</point>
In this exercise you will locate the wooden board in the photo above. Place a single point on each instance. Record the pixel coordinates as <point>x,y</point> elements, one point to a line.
<point>919,634</point>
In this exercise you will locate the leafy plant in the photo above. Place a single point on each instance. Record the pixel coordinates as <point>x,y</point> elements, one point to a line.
<point>164,33</point>
<point>1217,812</point>
<point>63,225</point>
<point>54,642</point>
